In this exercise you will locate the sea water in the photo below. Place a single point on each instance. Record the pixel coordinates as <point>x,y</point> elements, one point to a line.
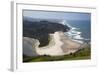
<point>80,30</point>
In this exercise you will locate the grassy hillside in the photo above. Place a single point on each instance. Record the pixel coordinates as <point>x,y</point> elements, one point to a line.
<point>82,54</point>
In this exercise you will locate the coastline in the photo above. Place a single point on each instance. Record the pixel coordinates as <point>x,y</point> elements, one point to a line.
<point>62,46</point>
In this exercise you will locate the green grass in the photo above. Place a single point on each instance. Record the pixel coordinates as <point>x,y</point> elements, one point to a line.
<point>82,54</point>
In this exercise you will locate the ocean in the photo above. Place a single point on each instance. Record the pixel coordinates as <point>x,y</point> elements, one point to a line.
<point>80,29</point>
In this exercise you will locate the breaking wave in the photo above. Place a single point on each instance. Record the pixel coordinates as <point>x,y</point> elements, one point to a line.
<point>73,33</point>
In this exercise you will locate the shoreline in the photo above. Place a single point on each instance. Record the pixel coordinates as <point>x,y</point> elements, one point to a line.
<point>62,45</point>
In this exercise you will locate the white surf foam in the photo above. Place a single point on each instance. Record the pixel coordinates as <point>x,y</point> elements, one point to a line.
<point>73,32</point>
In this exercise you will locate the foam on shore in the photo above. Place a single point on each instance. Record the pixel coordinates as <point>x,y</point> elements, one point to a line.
<point>73,33</point>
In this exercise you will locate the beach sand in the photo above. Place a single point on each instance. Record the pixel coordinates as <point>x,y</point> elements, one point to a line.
<point>59,45</point>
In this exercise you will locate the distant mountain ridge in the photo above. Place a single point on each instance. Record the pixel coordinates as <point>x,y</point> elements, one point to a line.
<point>39,19</point>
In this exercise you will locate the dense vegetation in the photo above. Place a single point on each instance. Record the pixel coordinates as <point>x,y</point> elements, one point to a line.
<point>41,29</point>
<point>84,53</point>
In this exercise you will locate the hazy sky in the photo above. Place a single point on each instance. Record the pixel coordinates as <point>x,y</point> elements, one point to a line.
<point>57,15</point>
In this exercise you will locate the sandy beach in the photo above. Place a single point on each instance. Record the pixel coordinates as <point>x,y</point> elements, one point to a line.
<point>58,45</point>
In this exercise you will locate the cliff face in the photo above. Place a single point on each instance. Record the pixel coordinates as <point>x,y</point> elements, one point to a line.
<point>41,29</point>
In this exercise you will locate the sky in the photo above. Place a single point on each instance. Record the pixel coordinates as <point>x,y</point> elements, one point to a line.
<point>56,15</point>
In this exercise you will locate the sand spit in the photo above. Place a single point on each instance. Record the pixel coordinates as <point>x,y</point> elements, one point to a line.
<point>59,45</point>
